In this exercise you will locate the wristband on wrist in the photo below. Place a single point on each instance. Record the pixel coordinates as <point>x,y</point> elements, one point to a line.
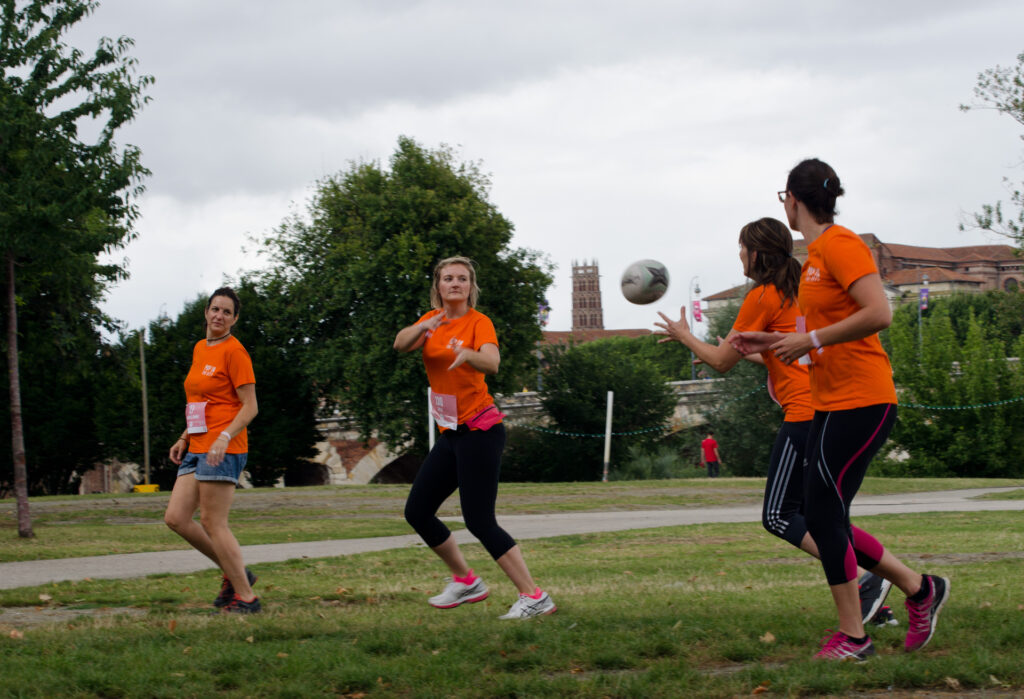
<point>225,433</point>
<point>816,342</point>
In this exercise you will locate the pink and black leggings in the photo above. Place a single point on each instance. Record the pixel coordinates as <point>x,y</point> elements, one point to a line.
<point>840,447</point>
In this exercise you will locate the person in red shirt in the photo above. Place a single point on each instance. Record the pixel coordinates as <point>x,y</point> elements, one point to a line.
<point>220,390</point>
<point>459,348</point>
<point>854,398</point>
<point>709,454</point>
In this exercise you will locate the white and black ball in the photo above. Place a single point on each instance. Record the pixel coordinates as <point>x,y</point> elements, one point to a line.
<point>644,281</point>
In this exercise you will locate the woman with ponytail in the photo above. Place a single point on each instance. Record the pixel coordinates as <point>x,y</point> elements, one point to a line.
<point>766,248</point>
<point>844,306</point>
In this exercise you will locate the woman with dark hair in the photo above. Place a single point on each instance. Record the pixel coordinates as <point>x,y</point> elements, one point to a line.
<point>854,399</point>
<point>766,248</point>
<point>211,453</point>
<point>460,347</point>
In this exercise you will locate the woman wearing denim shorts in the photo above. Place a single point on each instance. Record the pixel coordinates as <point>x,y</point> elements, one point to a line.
<point>220,390</point>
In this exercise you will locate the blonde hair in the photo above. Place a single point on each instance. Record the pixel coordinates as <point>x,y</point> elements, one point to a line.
<point>474,290</point>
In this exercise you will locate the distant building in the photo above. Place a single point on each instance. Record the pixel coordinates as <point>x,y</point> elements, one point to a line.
<point>906,268</point>
<point>587,313</point>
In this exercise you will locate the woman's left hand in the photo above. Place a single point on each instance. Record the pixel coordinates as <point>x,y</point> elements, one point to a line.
<point>461,355</point>
<point>675,329</point>
<point>215,455</point>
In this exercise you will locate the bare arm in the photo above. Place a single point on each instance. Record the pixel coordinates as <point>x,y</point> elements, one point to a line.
<point>721,357</point>
<point>485,360</point>
<point>873,315</point>
<point>412,337</point>
<point>249,409</point>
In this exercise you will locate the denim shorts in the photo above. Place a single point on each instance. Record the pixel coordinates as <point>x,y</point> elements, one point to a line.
<point>229,470</point>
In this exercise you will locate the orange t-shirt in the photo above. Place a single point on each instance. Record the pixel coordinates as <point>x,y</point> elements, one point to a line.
<point>765,308</point>
<point>850,374</point>
<point>215,374</point>
<point>466,384</point>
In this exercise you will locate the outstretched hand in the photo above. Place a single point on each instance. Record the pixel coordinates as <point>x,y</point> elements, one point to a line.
<point>674,329</point>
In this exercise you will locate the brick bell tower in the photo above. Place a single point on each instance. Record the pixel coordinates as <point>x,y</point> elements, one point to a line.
<point>586,297</point>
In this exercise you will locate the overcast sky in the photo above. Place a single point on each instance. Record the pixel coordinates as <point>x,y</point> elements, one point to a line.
<point>611,131</point>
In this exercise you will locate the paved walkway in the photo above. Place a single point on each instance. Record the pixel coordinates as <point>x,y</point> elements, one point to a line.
<point>133,565</point>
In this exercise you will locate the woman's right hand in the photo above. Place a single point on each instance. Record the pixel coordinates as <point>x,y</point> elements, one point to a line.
<point>751,341</point>
<point>178,450</point>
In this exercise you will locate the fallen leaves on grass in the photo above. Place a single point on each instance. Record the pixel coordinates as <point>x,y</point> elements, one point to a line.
<point>768,637</point>
<point>953,683</point>
<point>762,688</point>
<point>45,598</point>
<point>16,635</point>
<point>172,625</point>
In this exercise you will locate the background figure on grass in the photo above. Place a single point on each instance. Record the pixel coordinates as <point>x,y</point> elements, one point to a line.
<point>459,347</point>
<point>709,454</point>
<point>766,253</point>
<point>854,399</point>
<point>220,390</point>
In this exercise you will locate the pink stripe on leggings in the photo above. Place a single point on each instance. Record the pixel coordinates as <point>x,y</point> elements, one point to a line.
<point>867,545</point>
<point>839,481</point>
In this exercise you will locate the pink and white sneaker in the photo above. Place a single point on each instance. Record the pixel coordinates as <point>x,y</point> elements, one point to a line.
<point>922,616</point>
<point>841,647</point>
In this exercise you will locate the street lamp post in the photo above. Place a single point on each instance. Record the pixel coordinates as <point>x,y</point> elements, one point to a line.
<point>922,305</point>
<point>694,288</point>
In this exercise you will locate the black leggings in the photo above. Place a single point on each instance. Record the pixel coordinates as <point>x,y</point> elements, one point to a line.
<point>783,510</point>
<point>840,447</point>
<point>469,460</point>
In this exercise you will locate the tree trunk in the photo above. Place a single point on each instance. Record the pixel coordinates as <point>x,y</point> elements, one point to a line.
<point>17,434</point>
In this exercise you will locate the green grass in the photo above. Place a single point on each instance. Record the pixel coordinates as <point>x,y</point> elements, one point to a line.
<point>706,610</point>
<point>70,526</point>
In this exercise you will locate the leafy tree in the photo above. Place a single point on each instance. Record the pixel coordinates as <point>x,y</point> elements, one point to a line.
<point>575,395</point>
<point>64,199</point>
<point>357,267</point>
<point>1002,89</point>
<point>952,419</point>
<point>745,420</point>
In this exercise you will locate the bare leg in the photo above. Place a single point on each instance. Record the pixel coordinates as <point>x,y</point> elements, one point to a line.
<point>450,553</point>
<point>896,572</point>
<point>181,508</point>
<point>515,568</point>
<point>214,504</point>
<point>847,601</point>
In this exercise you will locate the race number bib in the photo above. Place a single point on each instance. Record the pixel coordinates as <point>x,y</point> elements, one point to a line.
<point>445,409</point>
<point>195,417</point>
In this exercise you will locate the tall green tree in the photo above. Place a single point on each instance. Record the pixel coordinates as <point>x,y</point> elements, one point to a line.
<point>64,197</point>
<point>956,418</point>
<point>1002,89</point>
<point>356,268</point>
<point>575,396</point>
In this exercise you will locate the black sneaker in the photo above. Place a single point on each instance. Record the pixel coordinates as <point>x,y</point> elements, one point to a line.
<point>884,617</point>
<point>227,590</point>
<point>873,591</point>
<point>239,606</point>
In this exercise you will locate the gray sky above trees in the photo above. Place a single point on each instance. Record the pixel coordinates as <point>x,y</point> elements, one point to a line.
<point>614,131</point>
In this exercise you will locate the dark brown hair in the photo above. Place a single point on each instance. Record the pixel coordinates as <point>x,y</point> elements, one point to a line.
<point>229,293</point>
<point>774,262</point>
<point>816,185</point>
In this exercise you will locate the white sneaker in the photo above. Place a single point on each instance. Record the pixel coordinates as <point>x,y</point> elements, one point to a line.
<point>457,593</point>
<point>526,607</point>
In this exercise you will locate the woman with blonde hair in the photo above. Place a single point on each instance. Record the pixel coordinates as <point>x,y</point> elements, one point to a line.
<point>460,347</point>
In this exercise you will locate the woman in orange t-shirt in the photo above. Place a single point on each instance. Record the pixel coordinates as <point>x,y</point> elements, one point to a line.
<point>854,398</point>
<point>766,252</point>
<point>220,390</point>
<point>459,347</point>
